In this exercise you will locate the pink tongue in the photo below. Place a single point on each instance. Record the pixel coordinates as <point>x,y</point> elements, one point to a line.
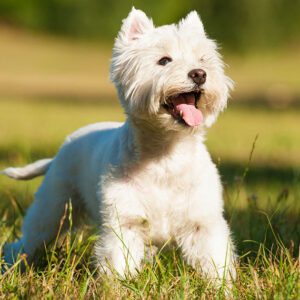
<point>190,114</point>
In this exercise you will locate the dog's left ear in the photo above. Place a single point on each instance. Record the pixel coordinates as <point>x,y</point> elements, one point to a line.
<point>136,24</point>
<point>192,21</point>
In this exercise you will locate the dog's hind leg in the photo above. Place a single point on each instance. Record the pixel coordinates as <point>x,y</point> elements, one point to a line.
<point>42,221</point>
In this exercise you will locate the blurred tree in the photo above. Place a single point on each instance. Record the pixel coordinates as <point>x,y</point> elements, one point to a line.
<point>240,25</point>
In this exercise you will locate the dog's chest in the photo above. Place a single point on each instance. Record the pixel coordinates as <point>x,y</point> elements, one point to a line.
<point>167,191</point>
<point>165,212</point>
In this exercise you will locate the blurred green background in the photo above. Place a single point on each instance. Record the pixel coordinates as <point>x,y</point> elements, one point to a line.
<point>54,66</point>
<point>241,25</point>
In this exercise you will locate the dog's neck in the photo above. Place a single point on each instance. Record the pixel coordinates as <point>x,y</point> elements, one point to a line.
<point>151,141</point>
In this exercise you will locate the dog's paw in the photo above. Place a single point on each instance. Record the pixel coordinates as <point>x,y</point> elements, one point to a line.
<point>12,254</point>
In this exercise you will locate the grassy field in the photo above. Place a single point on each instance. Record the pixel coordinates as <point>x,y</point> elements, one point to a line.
<point>256,148</point>
<point>42,67</point>
<point>262,206</point>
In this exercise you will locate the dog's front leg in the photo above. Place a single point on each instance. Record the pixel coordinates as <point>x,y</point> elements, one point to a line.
<point>121,246</point>
<point>121,250</point>
<point>207,247</point>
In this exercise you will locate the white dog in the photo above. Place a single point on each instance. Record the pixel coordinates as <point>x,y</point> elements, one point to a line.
<point>150,179</point>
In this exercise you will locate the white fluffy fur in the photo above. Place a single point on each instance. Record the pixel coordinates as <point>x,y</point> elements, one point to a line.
<point>150,179</point>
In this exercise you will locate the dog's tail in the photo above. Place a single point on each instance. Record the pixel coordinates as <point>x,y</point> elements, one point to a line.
<point>38,168</point>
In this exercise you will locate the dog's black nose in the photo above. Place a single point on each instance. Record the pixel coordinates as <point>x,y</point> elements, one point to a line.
<point>198,76</point>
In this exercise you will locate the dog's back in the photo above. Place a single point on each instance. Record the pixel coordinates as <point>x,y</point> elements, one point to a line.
<point>40,167</point>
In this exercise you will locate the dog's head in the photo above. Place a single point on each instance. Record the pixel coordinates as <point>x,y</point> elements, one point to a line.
<point>171,75</point>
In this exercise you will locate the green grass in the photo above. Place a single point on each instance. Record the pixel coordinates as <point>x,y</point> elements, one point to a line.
<point>276,129</point>
<point>261,199</point>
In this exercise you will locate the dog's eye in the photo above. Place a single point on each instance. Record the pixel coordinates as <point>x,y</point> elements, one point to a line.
<point>164,60</point>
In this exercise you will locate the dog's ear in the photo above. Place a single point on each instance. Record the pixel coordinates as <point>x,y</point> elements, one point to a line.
<point>135,25</point>
<point>192,21</point>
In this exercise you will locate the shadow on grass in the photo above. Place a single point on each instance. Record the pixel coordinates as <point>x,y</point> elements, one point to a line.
<point>272,228</point>
<point>270,217</point>
<point>232,172</point>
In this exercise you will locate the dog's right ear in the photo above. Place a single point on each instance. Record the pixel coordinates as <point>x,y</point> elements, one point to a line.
<point>136,24</point>
<point>192,22</point>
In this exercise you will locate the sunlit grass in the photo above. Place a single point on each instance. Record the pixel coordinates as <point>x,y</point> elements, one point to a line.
<point>41,65</point>
<point>40,125</point>
<point>264,73</point>
<point>46,123</point>
<point>277,129</point>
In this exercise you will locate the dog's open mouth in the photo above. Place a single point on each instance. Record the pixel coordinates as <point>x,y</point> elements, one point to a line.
<point>183,107</point>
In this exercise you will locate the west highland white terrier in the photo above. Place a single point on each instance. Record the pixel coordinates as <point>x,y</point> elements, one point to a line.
<point>148,180</point>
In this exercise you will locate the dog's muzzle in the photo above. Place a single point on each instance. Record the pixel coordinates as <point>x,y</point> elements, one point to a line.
<point>183,107</point>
